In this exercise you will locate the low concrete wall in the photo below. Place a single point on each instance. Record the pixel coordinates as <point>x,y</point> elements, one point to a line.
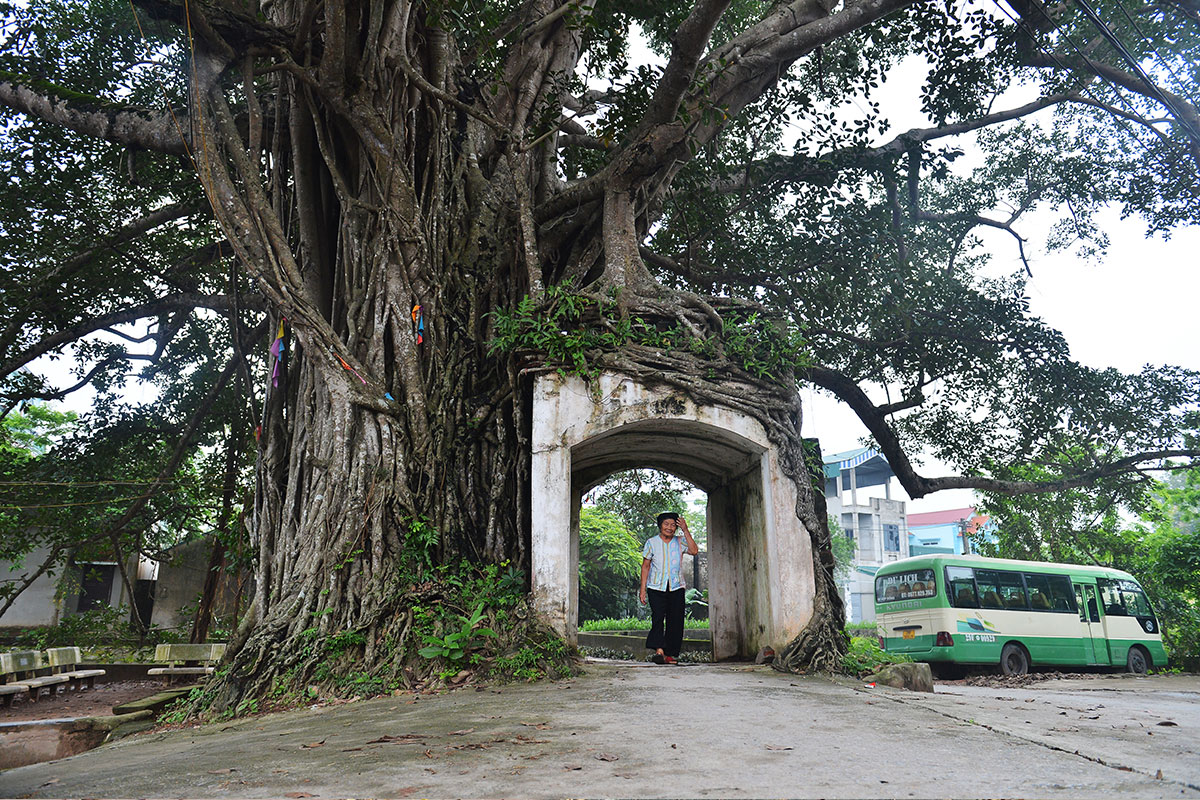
<point>634,643</point>
<point>24,743</point>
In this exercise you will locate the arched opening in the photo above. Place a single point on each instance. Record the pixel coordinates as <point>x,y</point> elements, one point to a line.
<point>616,519</point>
<point>759,562</point>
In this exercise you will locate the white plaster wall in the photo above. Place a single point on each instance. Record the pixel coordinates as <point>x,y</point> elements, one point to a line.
<point>550,506</point>
<point>791,581</point>
<point>36,605</point>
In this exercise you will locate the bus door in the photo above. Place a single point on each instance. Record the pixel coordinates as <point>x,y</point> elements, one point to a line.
<point>1089,622</point>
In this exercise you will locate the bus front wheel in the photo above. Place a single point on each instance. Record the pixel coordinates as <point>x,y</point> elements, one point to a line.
<point>1014,660</point>
<point>1136,662</point>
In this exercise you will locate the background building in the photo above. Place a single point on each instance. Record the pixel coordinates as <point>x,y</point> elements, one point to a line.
<point>877,525</point>
<point>944,531</point>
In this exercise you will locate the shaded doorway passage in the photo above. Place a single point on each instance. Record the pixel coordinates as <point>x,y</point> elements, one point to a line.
<point>760,564</point>
<point>616,519</point>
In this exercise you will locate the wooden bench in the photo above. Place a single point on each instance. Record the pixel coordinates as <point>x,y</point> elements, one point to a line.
<point>23,672</point>
<point>186,660</point>
<point>63,661</point>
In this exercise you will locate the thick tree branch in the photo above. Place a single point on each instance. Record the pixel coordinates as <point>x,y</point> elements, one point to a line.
<point>238,29</point>
<point>113,122</point>
<point>126,234</point>
<point>1124,466</point>
<point>688,44</point>
<point>176,302</point>
<point>873,417</point>
<point>821,168</point>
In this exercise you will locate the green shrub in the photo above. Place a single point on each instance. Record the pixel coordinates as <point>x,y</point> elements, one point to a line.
<point>864,657</point>
<point>861,626</point>
<point>105,627</point>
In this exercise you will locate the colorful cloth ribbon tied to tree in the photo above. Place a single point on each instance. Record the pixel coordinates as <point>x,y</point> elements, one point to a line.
<point>419,320</point>
<point>278,353</point>
<point>349,368</point>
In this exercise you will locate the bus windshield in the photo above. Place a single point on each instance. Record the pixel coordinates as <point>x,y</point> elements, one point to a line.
<point>1123,598</point>
<point>911,585</point>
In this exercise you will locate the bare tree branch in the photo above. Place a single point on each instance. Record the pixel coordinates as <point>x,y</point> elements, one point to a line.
<point>816,169</point>
<point>126,234</point>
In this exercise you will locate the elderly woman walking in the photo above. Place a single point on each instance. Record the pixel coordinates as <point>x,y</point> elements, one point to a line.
<point>662,585</point>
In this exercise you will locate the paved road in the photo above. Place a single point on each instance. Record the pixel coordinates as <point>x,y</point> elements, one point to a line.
<point>696,731</point>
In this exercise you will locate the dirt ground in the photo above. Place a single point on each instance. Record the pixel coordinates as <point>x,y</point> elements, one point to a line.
<point>96,702</point>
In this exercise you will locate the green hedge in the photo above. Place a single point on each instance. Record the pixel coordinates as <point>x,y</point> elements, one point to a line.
<point>634,624</point>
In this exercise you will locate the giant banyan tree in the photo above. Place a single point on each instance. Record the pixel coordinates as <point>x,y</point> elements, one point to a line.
<point>427,203</point>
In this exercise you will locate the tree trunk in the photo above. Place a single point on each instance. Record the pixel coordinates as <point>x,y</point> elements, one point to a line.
<point>394,214</point>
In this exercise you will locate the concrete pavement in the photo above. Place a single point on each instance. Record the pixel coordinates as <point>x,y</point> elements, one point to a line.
<point>633,730</point>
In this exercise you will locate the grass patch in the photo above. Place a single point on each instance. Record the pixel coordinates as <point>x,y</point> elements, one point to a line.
<point>864,657</point>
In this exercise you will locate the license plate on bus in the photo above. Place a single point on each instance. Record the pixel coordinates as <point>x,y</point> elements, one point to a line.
<point>908,634</point>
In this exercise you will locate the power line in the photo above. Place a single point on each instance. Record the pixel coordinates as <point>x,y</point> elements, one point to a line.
<point>1029,31</point>
<point>1181,83</point>
<point>1155,92</point>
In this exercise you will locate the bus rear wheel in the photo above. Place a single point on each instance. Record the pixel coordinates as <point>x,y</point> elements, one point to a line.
<point>1014,660</point>
<point>1137,662</point>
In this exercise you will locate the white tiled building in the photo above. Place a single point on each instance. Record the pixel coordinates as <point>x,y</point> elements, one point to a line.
<point>877,525</point>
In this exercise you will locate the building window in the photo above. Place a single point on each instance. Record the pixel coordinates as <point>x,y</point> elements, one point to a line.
<point>891,538</point>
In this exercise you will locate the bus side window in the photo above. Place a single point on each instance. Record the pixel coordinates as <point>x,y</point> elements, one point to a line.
<point>989,589</point>
<point>1114,604</point>
<point>1012,588</point>
<point>1061,596</point>
<point>1039,591</point>
<point>960,582</point>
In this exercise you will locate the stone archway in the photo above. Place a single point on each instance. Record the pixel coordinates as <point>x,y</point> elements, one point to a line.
<point>761,582</point>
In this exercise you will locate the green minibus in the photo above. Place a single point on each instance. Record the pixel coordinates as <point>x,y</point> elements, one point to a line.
<point>953,611</point>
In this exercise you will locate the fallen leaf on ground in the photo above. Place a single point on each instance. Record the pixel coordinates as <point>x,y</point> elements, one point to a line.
<point>300,794</point>
<point>404,737</point>
<point>1166,723</point>
<point>226,771</point>
<point>463,732</point>
<point>541,726</point>
<point>1158,775</point>
<point>312,745</point>
<point>778,747</point>
<point>607,757</point>
<point>572,766</point>
<point>53,781</point>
